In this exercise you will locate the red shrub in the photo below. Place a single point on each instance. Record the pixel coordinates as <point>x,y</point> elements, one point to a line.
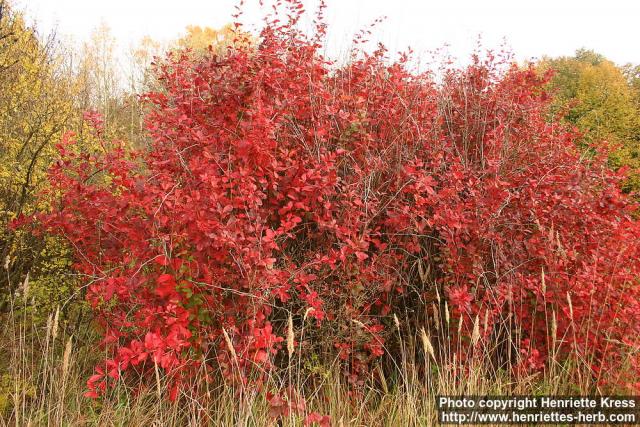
<point>278,181</point>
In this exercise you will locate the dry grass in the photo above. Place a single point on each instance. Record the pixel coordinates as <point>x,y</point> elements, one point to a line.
<point>46,372</point>
<point>43,372</point>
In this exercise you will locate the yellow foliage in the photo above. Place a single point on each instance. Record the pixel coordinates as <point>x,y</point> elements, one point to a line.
<point>35,109</point>
<point>37,91</point>
<point>200,39</point>
<point>599,100</point>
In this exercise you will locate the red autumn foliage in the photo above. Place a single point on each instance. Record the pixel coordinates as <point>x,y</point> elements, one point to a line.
<point>316,419</point>
<point>278,181</point>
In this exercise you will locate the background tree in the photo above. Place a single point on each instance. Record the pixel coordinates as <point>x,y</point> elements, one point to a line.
<point>36,107</point>
<point>602,102</point>
<point>103,90</point>
<point>632,73</point>
<point>199,39</point>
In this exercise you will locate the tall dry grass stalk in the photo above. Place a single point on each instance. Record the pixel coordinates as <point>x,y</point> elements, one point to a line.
<point>290,336</point>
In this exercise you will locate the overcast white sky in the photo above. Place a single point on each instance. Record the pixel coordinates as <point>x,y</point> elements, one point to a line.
<point>531,28</point>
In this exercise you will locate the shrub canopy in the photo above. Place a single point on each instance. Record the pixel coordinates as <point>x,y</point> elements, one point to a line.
<point>279,182</point>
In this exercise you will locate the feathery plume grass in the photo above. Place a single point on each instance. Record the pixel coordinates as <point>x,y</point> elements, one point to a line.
<point>290,337</point>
